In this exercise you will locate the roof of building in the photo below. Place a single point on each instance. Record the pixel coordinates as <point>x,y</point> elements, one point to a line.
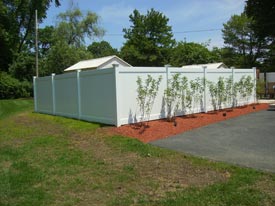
<point>209,66</point>
<point>94,63</point>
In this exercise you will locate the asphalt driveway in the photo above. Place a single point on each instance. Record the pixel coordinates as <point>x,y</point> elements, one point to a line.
<point>247,140</point>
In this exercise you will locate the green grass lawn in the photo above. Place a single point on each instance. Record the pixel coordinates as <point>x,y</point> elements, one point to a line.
<point>48,160</point>
<point>9,107</point>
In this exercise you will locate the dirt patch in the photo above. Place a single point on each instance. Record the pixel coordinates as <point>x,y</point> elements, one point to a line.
<point>160,129</point>
<point>151,176</point>
<point>174,174</point>
<point>37,125</point>
<point>105,172</point>
<point>267,185</point>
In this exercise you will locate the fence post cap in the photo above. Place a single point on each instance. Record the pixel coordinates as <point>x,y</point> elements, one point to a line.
<point>79,70</point>
<point>167,65</point>
<point>115,65</point>
<point>53,74</point>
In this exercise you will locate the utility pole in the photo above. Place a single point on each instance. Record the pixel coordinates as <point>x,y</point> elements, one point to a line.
<point>36,44</point>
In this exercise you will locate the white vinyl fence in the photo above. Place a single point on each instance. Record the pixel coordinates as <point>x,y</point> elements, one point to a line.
<point>109,96</point>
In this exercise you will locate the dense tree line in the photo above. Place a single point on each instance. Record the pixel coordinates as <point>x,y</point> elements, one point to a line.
<point>249,40</point>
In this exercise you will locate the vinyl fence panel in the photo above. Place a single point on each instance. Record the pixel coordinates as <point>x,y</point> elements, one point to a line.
<point>66,102</point>
<point>98,96</point>
<point>129,111</point>
<point>110,95</point>
<point>44,95</point>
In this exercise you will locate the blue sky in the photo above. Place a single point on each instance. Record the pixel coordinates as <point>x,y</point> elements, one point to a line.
<point>184,16</point>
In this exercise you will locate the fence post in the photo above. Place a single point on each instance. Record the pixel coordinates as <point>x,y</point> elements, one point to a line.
<point>53,93</point>
<point>78,94</point>
<point>167,74</point>
<point>205,88</point>
<point>117,106</point>
<point>255,83</point>
<point>35,93</point>
<point>232,88</point>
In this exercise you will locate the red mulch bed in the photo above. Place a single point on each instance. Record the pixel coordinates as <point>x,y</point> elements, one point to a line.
<point>159,129</point>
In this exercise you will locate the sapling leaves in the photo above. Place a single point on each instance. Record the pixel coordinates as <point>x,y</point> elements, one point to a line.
<point>147,93</point>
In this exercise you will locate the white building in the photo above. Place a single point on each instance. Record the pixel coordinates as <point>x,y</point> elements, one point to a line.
<point>99,63</point>
<point>219,65</point>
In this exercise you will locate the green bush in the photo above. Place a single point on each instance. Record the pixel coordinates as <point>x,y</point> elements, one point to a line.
<point>260,87</point>
<point>11,88</point>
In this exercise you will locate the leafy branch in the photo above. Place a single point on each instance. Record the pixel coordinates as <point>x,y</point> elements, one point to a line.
<point>147,93</point>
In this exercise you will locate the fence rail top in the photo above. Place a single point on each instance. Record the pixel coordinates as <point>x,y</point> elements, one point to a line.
<point>151,70</point>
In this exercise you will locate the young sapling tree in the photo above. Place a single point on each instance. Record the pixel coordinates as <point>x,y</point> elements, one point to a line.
<point>229,91</point>
<point>172,95</point>
<point>197,88</point>
<point>221,92</point>
<point>147,93</point>
<point>249,87</point>
<point>213,90</point>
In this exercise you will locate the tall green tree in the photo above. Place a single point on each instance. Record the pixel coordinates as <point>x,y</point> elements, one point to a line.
<point>24,66</point>
<point>241,39</point>
<point>187,53</point>
<point>148,40</point>
<point>17,18</point>
<point>68,40</point>
<point>61,56</point>
<point>263,14</point>
<point>101,49</point>
<point>74,26</point>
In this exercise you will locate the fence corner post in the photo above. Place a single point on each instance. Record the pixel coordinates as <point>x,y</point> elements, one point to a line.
<point>204,87</point>
<point>53,93</point>
<point>78,94</point>
<point>35,93</point>
<point>255,84</point>
<point>117,100</point>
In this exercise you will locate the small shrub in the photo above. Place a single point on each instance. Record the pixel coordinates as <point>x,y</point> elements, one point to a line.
<point>260,88</point>
<point>11,88</point>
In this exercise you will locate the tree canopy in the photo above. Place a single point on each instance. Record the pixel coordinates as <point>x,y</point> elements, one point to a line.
<point>101,49</point>
<point>74,26</point>
<point>249,39</point>
<point>263,14</point>
<point>187,53</point>
<point>67,40</point>
<point>148,40</point>
<point>240,38</point>
<point>16,25</point>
